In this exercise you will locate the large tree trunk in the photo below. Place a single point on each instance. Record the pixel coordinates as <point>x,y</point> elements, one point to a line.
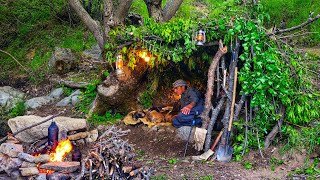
<point>170,9</point>
<point>162,15</point>
<point>119,93</point>
<point>154,9</point>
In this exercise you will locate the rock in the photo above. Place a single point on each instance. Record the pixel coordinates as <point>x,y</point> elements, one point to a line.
<point>71,100</point>
<point>62,60</point>
<point>42,176</point>
<point>8,164</point>
<point>57,93</point>
<point>26,164</point>
<point>183,133</point>
<point>12,150</point>
<point>38,101</point>
<point>16,175</point>
<point>93,53</point>
<point>58,176</point>
<point>26,157</point>
<point>67,167</point>
<point>9,97</point>
<point>41,131</point>
<point>92,136</point>
<point>12,140</point>
<point>42,158</point>
<point>29,171</point>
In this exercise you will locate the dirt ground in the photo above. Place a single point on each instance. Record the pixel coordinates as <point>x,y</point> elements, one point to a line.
<point>162,149</point>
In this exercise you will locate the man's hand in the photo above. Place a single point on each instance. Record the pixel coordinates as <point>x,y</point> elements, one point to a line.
<point>186,110</point>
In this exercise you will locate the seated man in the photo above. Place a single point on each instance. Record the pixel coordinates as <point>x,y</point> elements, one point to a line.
<point>191,104</point>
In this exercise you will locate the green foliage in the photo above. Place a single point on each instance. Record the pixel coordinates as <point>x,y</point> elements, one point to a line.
<point>87,97</point>
<point>288,17</point>
<point>18,110</point>
<point>160,177</point>
<point>207,177</point>
<point>139,7</point>
<point>172,161</point>
<point>67,91</point>
<point>274,162</point>
<point>247,165</point>
<point>140,154</point>
<point>107,118</point>
<point>312,170</point>
<point>307,137</point>
<point>146,99</point>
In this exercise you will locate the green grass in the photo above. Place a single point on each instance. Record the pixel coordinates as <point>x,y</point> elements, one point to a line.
<point>295,13</point>
<point>43,41</point>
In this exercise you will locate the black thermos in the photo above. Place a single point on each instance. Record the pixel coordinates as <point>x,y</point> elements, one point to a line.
<point>53,132</point>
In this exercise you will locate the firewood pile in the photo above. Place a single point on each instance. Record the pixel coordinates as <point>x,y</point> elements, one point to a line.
<point>110,157</point>
<point>102,157</point>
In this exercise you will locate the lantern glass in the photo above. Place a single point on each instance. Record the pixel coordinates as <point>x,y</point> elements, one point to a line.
<point>201,37</point>
<point>119,66</point>
<point>119,62</point>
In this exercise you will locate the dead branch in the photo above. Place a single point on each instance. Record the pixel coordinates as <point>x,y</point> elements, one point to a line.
<point>17,61</point>
<point>275,129</point>
<point>310,20</point>
<point>71,84</point>
<point>210,84</point>
<point>246,132</point>
<point>13,134</point>
<point>233,65</point>
<point>239,107</point>
<point>257,135</point>
<point>215,113</point>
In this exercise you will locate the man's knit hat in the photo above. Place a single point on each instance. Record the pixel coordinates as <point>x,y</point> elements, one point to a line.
<point>178,83</point>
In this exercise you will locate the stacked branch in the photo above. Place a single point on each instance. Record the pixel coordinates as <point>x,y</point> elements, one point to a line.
<point>110,157</point>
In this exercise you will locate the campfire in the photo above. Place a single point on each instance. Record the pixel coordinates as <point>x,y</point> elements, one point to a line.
<point>103,157</point>
<point>61,150</point>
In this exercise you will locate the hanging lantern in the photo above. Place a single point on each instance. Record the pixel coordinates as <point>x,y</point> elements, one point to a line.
<point>201,37</point>
<point>119,65</point>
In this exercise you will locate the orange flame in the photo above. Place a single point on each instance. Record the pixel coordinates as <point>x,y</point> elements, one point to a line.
<point>62,149</point>
<point>44,170</point>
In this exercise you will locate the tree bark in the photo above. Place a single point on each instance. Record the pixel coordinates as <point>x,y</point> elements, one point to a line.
<point>275,129</point>
<point>111,17</point>
<point>93,26</point>
<point>154,9</point>
<point>233,64</point>
<point>119,94</point>
<point>170,9</point>
<point>208,97</point>
<point>122,11</point>
<point>215,113</point>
